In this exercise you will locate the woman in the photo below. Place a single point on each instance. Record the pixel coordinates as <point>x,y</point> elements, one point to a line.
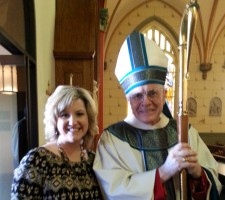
<point>62,168</point>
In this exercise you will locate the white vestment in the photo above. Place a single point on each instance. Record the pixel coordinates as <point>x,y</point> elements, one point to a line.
<point>120,169</point>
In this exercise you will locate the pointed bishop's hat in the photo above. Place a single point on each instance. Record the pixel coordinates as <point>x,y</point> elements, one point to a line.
<point>140,61</point>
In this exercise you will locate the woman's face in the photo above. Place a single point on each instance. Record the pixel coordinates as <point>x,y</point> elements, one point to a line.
<point>72,123</point>
<point>147,102</point>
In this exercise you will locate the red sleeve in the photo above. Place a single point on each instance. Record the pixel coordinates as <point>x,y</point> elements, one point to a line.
<point>199,187</point>
<point>159,191</point>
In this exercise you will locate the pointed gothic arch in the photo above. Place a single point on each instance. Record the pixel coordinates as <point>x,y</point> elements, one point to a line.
<point>165,37</point>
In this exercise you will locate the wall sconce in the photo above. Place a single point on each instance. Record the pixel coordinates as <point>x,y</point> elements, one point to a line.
<point>8,72</point>
<point>8,79</point>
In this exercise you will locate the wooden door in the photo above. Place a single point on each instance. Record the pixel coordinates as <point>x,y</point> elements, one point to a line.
<point>76,42</point>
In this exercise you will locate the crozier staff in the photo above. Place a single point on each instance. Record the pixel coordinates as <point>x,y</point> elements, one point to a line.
<point>140,157</point>
<point>187,31</point>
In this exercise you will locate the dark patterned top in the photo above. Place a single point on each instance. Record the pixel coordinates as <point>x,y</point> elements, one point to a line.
<point>44,175</point>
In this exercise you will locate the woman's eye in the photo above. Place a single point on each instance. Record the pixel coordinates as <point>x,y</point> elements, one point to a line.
<point>79,113</point>
<point>64,115</point>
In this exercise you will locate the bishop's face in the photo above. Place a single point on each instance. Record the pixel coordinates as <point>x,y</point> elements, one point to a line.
<point>147,102</point>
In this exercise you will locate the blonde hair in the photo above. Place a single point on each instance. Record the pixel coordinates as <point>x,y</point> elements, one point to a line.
<point>62,98</point>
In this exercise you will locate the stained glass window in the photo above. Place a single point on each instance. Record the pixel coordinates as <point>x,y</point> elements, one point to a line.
<point>163,41</point>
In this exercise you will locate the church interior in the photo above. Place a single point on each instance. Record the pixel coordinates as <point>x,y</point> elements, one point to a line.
<point>76,42</point>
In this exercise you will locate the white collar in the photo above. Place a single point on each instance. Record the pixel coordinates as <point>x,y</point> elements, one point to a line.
<point>133,121</point>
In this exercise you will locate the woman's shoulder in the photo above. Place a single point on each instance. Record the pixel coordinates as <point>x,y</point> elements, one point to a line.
<point>37,151</point>
<point>52,147</point>
<point>31,154</point>
<point>37,155</point>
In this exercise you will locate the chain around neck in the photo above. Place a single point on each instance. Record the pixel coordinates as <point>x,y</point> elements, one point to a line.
<point>83,153</point>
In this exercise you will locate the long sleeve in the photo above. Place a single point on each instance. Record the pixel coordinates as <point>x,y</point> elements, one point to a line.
<point>121,173</point>
<point>159,191</point>
<point>207,162</point>
<point>199,187</point>
<point>27,180</point>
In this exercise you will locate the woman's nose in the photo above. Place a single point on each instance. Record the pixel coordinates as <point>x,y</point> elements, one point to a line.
<point>72,120</point>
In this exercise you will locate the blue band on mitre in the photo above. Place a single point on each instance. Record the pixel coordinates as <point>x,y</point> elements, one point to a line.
<point>142,76</point>
<point>140,62</point>
<point>137,50</point>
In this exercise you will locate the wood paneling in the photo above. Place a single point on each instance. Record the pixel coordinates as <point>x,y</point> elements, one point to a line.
<point>76,42</point>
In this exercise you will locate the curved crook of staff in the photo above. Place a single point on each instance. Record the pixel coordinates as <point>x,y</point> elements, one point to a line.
<point>187,31</point>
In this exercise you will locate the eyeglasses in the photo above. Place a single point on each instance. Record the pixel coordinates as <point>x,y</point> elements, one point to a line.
<point>151,94</point>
